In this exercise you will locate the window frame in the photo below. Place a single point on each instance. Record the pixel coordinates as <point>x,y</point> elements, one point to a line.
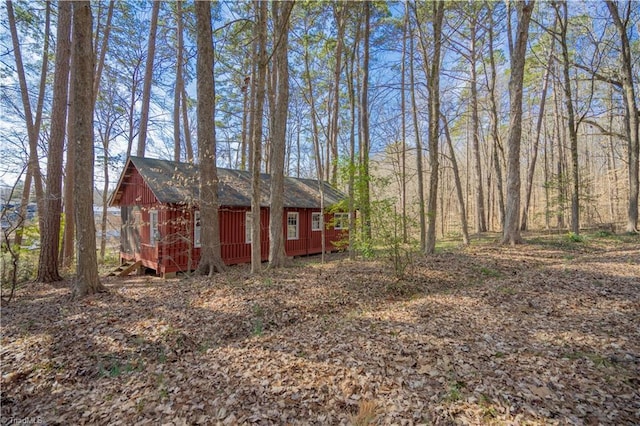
<point>197,230</point>
<point>341,221</point>
<point>154,234</point>
<point>318,222</point>
<point>248,226</point>
<point>297,226</point>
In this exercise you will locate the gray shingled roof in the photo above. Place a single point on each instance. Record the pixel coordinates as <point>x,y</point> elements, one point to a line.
<point>177,183</point>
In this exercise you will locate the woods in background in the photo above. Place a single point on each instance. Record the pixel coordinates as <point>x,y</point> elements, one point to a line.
<point>518,115</point>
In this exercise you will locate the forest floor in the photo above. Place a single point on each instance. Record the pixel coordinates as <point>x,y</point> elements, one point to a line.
<point>543,333</point>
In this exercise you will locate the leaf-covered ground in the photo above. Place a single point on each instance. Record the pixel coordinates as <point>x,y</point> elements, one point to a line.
<point>545,333</point>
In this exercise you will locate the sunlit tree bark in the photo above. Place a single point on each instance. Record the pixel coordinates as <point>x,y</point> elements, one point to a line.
<point>87,280</point>
<point>536,140</point>
<point>33,125</point>
<point>210,254</point>
<point>261,61</point>
<point>50,234</point>
<point>281,12</point>
<point>632,115</point>
<point>148,80</point>
<point>511,232</point>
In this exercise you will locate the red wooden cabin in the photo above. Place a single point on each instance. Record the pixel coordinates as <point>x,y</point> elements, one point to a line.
<point>160,217</point>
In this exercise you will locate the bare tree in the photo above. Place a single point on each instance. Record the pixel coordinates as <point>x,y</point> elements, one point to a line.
<point>258,87</point>
<point>339,15</point>
<point>103,50</point>
<point>280,82</point>
<point>87,280</point>
<point>416,129</point>
<point>403,120</point>
<point>495,120</point>
<point>69,232</point>
<point>365,144</point>
<point>177,90</point>
<point>632,115</point>
<point>33,125</point>
<point>481,221</point>
<point>458,183</point>
<point>148,77</point>
<point>563,22</point>
<point>511,231</point>
<point>50,234</point>
<point>536,140</point>
<point>315,135</point>
<point>432,71</point>
<point>210,254</point>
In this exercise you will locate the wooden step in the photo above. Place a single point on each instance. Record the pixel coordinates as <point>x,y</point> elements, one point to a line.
<point>126,269</point>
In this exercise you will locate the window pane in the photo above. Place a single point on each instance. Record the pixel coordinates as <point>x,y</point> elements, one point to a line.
<point>316,221</point>
<point>341,221</point>
<point>153,227</point>
<point>292,226</point>
<point>196,229</point>
<point>248,227</point>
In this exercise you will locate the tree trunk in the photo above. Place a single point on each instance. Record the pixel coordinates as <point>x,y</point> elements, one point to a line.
<point>316,141</point>
<point>495,122</point>
<point>481,222</point>
<point>559,163</point>
<point>547,221</point>
<point>350,65</point>
<point>403,117</point>
<point>511,233</point>
<point>178,88</point>
<point>281,12</point>
<point>338,13</point>
<point>210,254</point>
<point>245,115</point>
<point>536,141</point>
<point>258,88</point>
<point>103,51</point>
<point>364,122</point>
<point>33,127</point>
<point>50,234</point>
<point>87,280</point>
<point>148,79</point>
<point>433,86</point>
<point>69,232</point>
<point>573,135</point>
<point>416,129</point>
<point>105,195</point>
<point>458,182</point>
<point>632,115</point>
<point>611,165</point>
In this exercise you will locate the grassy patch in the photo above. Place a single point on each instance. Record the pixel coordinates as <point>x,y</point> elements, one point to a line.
<point>490,273</point>
<point>597,359</point>
<point>454,392</point>
<point>257,324</point>
<point>115,367</point>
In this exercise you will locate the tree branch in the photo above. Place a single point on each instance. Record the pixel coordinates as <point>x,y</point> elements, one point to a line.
<point>598,76</point>
<point>604,131</point>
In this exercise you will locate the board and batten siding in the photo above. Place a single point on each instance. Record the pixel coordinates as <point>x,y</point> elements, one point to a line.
<point>174,249</point>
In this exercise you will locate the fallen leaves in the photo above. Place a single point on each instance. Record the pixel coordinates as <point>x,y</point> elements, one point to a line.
<point>484,335</point>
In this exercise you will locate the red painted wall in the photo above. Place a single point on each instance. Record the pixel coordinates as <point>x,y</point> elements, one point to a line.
<point>174,249</point>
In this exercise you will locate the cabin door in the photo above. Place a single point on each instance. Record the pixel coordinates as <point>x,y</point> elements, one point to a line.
<point>130,229</point>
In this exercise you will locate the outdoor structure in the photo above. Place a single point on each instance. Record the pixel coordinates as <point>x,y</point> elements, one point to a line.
<point>158,200</point>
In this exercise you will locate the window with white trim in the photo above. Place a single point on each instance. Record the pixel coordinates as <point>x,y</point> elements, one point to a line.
<point>292,225</point>
<point>341,221</point>
<point>153,227</point>
<point>196,229</point>
<point>316,221</point>
<point>248,226</point>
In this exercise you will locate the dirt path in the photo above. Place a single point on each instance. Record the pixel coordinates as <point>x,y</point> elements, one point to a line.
<point>547,333</point>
